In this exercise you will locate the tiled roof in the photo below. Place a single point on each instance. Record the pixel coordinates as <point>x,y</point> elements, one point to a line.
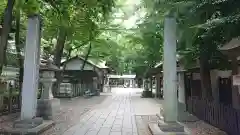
<point>95,62</point>
<point>234,43</point>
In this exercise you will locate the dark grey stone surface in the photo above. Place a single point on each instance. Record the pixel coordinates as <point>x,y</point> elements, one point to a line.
<point>30,131</point>
<point>46,108</point>
<point>170,126</point>
<point>183,115</point>
<point>28,124</point>
<point>155,130</point>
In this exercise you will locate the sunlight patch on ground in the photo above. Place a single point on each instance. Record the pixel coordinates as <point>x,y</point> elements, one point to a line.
<point>126,90</point>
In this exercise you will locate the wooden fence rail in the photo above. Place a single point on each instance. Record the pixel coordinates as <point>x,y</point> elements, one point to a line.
<point>221,116</point>
<point>9,104</point>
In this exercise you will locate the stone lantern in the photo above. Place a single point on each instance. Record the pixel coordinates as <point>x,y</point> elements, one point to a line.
<point>47,105</point>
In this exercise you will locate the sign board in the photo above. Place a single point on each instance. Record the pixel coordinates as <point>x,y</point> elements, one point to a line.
<point>236,79</point>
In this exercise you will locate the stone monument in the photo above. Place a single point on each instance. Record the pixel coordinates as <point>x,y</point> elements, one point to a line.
<point>31,75</point>
<point>47,106</point>
<point>28,122</point>
<point>170,70</point>
<point>169,124</point>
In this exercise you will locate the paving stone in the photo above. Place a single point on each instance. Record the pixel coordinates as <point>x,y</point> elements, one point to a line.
<point>135,133</point>
<point>119,117</point>
<point>69,132</point>
<point>117,128</point>
<point>100,121</point>
<point>103,116</point>
<point>142,132</point>
<point>107,125</point>
<point>115,116</point>
<point>115,133</point>
<point>95,127</point>
<point>127,124</point>
<point>127,131</point>
<point>76,127</point>
<point>104,131</point>
<point>134,125</point>
<point>92,132</point>
<point>118,122</point>
<point>110,120</point>
<point>81,131</point>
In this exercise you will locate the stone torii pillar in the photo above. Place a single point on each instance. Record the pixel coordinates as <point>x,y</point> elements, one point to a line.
<point>170,70</point>
<point>170,124</point>
<point>31,66</point>
<point>28,122</point>
<point>31,76</point>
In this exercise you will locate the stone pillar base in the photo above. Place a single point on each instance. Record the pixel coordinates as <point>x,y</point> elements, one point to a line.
<point>29,127</point>
<point>170,126</point>
<point>183,115</point>
<point>47,108</point>
<point>28,123</point>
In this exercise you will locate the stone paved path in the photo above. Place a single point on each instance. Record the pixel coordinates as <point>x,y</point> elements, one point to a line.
<point>122,112</point>
<point>70,113</point>
<point>115,119</point>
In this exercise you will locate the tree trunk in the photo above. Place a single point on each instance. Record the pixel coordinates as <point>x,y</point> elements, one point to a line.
<point>5,31</point>
<point>65,64</point>
<point>235,92</point>
<point>20,59</point>
<point>89,49</point>
<point>205,75</point>
<point>86,57</point>
<point>62,36</point>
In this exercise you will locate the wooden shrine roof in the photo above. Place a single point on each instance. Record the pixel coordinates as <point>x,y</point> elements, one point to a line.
<point>231,48</point>
<point>96,63</point>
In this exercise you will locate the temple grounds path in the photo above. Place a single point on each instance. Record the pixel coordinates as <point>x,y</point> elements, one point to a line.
<point>121,112</point>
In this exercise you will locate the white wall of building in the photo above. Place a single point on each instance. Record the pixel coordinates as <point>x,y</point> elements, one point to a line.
<point>215,74</point>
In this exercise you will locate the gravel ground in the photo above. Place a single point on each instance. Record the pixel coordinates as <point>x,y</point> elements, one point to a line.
<point>70,114</point>
<point>147,115</point>
<point>6,121</point>
<point>195,128</point>
<point>202,128</point>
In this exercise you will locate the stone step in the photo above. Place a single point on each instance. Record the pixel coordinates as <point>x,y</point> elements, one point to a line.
<point>21,130</point>
<point>30,123</point>
<point>170,127</point>
<point>160,116</point>
<point>155,130</point>
<point>186,117</point>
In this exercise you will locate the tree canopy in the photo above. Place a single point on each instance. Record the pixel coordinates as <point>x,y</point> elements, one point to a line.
<point>129,35</point>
